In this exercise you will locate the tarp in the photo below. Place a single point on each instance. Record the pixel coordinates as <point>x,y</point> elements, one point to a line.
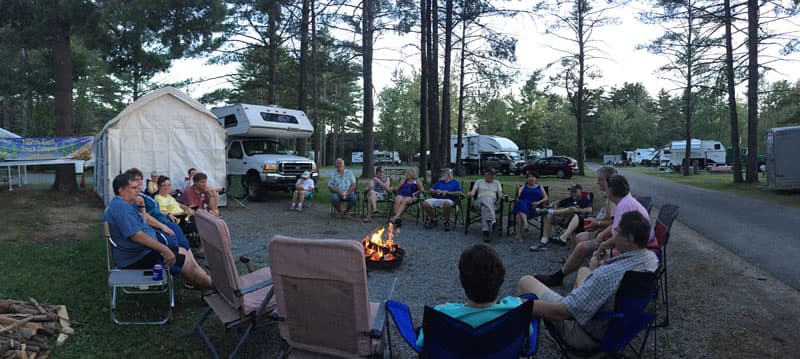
<point>45,148</point>
<point>165,130</point>
<point>8,134</point>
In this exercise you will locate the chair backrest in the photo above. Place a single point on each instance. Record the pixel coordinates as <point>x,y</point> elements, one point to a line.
<point>646,202</point>
<point>632,297</point>
<point>662,234</point>
<point>321,292</point>
<point>110,264</point>
<point>216,241</point>
<point>503,337</point>
<point>667,214</point>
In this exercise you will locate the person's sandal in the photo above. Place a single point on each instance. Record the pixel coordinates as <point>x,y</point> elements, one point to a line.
<point>559,241</point>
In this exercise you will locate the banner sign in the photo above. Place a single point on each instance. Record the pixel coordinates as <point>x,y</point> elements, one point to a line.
<point>45,148</point>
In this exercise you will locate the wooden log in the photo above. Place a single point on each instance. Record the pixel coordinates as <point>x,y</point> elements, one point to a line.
<point>64,319</point>
<point>14,325</point>
<point>9,307</point>
<point>62,338</point>
<point>36,305</point>
<point>29,325</point>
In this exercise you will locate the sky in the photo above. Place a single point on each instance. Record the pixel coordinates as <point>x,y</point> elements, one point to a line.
<point>534,51</point>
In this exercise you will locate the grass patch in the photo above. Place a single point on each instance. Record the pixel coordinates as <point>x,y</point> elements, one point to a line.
<point>724,182</point>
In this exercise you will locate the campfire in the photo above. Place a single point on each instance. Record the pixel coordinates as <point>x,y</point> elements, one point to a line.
<point>380,251</point>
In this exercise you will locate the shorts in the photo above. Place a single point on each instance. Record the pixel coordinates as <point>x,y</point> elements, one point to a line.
<point>439,202</point>
<point>569,330</point>
<point>153,258</point>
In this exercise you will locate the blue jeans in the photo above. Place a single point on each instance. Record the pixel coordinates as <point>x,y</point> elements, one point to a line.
<point>351,200</point>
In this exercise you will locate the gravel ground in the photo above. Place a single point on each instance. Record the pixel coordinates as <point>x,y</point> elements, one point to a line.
<point>721,306</point>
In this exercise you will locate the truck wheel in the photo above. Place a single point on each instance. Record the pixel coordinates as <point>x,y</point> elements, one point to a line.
<point>561,174</point>
<point>251,184</point>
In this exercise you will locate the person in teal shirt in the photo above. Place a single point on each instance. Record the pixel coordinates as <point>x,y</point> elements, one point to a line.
<point>481,272</point>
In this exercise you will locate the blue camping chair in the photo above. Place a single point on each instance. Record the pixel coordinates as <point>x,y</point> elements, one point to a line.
<point>629,318</point>
<point>510,335</point>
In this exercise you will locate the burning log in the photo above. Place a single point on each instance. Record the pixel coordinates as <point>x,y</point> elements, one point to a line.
<point>380,251</point>
<point>28,328</point>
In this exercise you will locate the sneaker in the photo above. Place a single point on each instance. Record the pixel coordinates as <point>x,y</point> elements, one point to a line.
<point>188,285</point>
<point>447,226</point>
<point>398,222</point>
<point>299,209</point>
<point>486,237</point>
<point>368,219</point>
<point>538,247</point>
<point>291,208</point>
<point>430,224</point>
<point>550,280</point>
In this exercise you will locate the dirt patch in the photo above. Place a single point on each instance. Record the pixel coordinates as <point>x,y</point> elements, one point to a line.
<point>44,216</point>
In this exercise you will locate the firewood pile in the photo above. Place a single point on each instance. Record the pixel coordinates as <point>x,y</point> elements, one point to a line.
<point>27,328</point>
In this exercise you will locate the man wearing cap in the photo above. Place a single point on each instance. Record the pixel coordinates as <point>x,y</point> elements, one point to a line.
<point>444,194</point>
<point>570,211</point>
<point>302,189</point>
<point>487,192</point>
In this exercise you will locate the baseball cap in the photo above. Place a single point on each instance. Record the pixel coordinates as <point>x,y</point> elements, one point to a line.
<point>575,186</point>
<point>306,174</point>
<point>490,170</point>
<point>156,173</point>
<point>450,171</point>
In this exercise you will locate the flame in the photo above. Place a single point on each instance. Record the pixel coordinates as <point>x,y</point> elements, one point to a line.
<point>378,249</point>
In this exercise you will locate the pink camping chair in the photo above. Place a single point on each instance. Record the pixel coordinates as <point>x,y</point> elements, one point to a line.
<point>239,300</point>
<point>321,293</point>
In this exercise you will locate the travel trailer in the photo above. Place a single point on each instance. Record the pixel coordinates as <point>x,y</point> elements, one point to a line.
<point>643,156</point>
<point>705,152</point>
<point>783,169</point>
<point>254,150</point>
<point>481,151</point>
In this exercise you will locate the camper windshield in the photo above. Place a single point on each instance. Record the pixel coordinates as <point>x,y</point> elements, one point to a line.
<point>259,147</point>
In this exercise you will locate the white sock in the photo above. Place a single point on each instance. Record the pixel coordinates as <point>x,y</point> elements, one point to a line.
<point>549,211</point>
<point>544,240</point>
<point>292,205</point>
<point>300,205</point>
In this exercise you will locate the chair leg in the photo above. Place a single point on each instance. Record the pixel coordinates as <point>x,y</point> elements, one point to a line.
<point>243,339</point>
<point>199,330</point>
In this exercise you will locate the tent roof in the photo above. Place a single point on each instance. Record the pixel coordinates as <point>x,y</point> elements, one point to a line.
<point>8,134</point>
<point>164,91</point>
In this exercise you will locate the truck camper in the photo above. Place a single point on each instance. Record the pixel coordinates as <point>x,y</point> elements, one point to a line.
<point>254,151</point>
<point>482,151</point>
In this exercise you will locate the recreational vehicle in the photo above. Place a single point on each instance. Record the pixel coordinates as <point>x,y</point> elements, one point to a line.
<point>705,152</point>
<point>643,156</point>
<point>783,169</point>
<point>254,150</point>
<point>482,151</point>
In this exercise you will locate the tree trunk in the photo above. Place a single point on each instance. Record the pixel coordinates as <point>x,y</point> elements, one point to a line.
<point>423,88</point>
<point>7,112</point>
<point>319,127</point>
<point>734,117</point>
<point>460,131</point>
<point>62,68</point>
<point>369,109</point>
<point>580,106</point>
<point>752,91</point>
<point>302,88</point>
<point>27,95</point>
<point>448,48</point>
<point>272,51</point>
<point>433,86</point>
<point>687,97</point>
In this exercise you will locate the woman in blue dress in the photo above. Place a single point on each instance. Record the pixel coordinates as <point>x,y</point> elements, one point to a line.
<point>529,196</point>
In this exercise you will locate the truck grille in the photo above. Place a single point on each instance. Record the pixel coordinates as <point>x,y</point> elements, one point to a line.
<point>294,168</point>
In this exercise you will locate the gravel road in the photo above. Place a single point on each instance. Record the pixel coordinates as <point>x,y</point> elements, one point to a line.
<point>721,305</point>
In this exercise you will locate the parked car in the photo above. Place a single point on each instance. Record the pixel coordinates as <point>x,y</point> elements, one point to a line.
<point>561,166</point>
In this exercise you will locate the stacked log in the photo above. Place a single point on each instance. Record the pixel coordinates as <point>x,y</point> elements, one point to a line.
<point>27,328</point>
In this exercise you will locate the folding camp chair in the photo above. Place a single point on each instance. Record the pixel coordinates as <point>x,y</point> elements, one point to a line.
<point>135,282</point>
<point>473,215</point>
<point>646,202</point>
<point>666,215</point>
<point>535,220</point>
<point>510,335</point>
<point>322,298</point>
<point>455,212</point>
<point>629,318</point>
<point>355,210</point>
<point>383,207</point>
<point>239,300</point>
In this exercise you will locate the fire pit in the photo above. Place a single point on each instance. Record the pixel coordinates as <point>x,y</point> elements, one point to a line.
<point>380,251</point>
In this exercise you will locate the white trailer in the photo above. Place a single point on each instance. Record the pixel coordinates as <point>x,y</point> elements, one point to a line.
<point>705,152</point>
<point>643,154</point>
<point>263,121</point>
<point>475,146</point>
<point>783,169</point>
<point>386,157</point>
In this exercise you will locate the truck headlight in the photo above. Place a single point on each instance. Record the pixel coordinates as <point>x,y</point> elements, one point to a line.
<point>270,168</point>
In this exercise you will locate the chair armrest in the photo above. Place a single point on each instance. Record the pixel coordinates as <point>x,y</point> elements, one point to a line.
<point>405,325</point>
<point>246,261</point>
<point>380,318</point>
<point>242,291</point>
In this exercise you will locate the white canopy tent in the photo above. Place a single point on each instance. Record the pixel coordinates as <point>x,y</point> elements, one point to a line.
<point>165,130</point>
<point>8,134</point>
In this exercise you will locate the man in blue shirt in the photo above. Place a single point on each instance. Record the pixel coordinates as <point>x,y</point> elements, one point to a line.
<point>445,193</point>
<point>136,245</point>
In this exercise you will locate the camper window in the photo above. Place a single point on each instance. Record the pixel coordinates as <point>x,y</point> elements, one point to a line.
<point>274,117</point>
<point>258,147</point>
<point>235,151</point>
<point>230,121</point>
<point>717,146</point>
